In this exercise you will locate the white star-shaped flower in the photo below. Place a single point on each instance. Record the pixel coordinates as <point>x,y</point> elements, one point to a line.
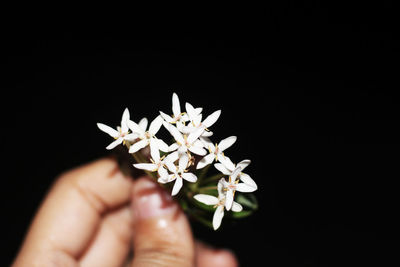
<point>186,142</point>
<point>219,204</point>
<point>216,151</point>
<point>178,173</point>
<point>178,118</point>
<point>233,185</point>
<point>196,123</point>
<point>227,167</point>
<point>157,163</point>
<point>147,136</point>
<point>121,134</point>
<point>177,115</point>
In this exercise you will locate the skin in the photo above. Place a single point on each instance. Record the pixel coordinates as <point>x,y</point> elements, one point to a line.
<point>95,216</point>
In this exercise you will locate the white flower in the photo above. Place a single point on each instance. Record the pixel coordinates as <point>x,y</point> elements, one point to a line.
<point>186,142</point>
<point>178,118</point>
<point>196,123</point>
<point>157,163</point>
<point>219,204</point>
<point>121,134</point>
<point>177,115</point>
<point>227,167</point>
<point>233,185</point>
<point>147,136</point>
<point>178,173</point>
<point>216,151</point>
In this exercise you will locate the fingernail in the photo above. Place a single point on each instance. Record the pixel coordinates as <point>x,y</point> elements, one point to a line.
<point>150,200</point>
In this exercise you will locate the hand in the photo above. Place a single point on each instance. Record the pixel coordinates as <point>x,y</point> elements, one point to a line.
<point>95,216</point>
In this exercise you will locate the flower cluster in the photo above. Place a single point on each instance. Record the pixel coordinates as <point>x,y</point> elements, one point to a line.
<point>183,161</point>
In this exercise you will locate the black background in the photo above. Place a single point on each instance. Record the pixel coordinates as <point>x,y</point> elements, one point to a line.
<point>311,95</point>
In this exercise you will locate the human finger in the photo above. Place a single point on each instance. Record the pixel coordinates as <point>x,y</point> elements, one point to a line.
<point>162,235</point>
<point>209,256</point>
<point>71,213</point>
<point>112,243</point>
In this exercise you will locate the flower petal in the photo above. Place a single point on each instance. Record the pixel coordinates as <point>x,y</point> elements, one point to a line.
<point>107,129</point>
<point>135,128</point>
<point>217,218</point>
<point>198,110</point>
<point>172,157</point>
<point>180,126</point>
<point>225,161</point>
<point>242,187</point>
<point>184,117</point>
<point>172,147</point>
<point>211,119</point>
<point>187,129</point>
<point>172,177</point>
<point>174,132</point>
<point>115,143</point>
<point>198,143</point>
<point>125,118</point>
<point>166,117</point>
<point>222,168</point>
<point>191,111</point>
<point>228,164</point>
<point>170,165</point>
<point>229,199</point>
<point>236,207</point>
<point>243,164</point>
<point>183,162</point>
<point>206,199</point>
<point>146,166</point>
<point>194,115</point>
<point>226,143</point>
<point>182,150</point>
<point>197,120</point>
<point>154,150</point>
<point>155,125</point>
<point>162,145</point>
<point>138,145</point>
<point>190,177</point>
<point>207,134</point>
<point>194,135</point>
<point>235,173</point>
<point>163,173</point>
<point>207,143</point>
<point>131,137</point>
<point>205,161</point>
<point>177,186</point>
<point>163,179</point>
<point>176,107</point>
<point>198,150</point>
<point>245,178</point>
<point>143,124</point>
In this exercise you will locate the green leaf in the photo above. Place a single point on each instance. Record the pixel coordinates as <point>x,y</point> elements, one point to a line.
<point>241,214</point>
<point>248,201</point>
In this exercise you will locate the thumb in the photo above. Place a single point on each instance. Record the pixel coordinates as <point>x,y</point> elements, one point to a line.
<point>162,235</point>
